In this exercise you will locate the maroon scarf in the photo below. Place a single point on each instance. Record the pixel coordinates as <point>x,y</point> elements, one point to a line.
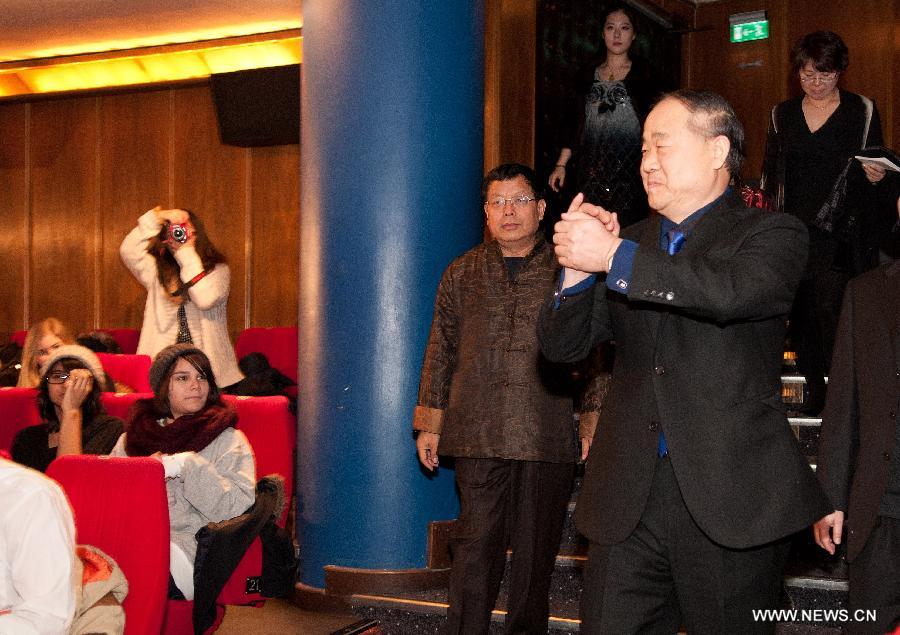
<point>188,433</point>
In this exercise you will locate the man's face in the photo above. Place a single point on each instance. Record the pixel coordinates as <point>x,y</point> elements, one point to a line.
<point>682,170</point>
<point>514,223</point>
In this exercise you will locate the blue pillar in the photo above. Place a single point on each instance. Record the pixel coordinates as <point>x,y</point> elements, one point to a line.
<point>391,162</point>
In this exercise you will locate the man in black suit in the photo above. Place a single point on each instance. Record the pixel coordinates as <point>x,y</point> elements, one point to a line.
<point>694,477</point>
<point>859,455</point>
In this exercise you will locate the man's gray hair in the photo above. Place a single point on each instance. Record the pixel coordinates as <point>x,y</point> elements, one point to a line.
<point>719,119</point>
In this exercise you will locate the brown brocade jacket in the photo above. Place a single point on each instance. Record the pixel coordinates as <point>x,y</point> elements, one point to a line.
<point>485,387</point>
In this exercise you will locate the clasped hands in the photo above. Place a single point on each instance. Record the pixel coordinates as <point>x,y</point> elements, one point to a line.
<point>586,239</point>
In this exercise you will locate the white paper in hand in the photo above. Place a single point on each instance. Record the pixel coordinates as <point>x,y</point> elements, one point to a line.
<point>887,164</point>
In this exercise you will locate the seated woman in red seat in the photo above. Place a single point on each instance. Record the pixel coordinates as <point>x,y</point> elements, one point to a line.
<point>43,338</point>
<point>210,473</point>
<point>73,419</point>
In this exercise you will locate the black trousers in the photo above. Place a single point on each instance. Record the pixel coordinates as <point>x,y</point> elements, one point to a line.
<point>669,573</point>
<point>875,580</point>
<point>817,306</point>
<point>521,504</point>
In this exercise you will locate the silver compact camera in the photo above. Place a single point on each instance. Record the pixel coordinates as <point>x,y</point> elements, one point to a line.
<point>179,233</point>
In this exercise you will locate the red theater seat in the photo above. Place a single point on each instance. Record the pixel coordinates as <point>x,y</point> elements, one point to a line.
<point>18,409</point>
<point>127,339</point>
<point>131,370</point>
<point>118,404</point>
<point>271,430</point>
<point>120,506</point>
<point>278,344</point>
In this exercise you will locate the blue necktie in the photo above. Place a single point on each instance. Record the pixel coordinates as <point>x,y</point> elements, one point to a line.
<point>676,242</point>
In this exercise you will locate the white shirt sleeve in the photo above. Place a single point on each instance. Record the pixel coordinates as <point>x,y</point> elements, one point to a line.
<point>37,546</point>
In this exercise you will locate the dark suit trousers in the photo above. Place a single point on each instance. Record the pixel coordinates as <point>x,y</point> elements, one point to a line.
<point>668,573</point>
<point>814,319</point>
<point>875,579</point>
<point>502,502</point>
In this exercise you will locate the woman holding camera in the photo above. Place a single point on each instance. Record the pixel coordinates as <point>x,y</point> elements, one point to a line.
<point>187,282</point>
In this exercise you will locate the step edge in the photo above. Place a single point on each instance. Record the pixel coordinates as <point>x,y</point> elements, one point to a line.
<point>440,608</point>
<point>808,582</point>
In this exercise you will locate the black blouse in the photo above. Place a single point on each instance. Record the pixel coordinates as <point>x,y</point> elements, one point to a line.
<point>99,436</point>
<point>807,164</point>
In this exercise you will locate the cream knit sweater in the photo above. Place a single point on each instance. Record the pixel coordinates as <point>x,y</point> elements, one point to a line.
<point>206,309</point>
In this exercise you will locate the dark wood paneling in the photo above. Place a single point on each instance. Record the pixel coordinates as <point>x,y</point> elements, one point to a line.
<point>510,33</point>
<point>134,176</point>
<point>867,26</point>
<point>750,75</point>
<point>212,180</point>
<point>77,173</point>
<point>274,235</point>
<point>13,214</point>
<point>65,238</point>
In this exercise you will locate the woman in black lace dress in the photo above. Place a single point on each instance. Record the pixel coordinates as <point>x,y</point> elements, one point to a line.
<point>603,153</point>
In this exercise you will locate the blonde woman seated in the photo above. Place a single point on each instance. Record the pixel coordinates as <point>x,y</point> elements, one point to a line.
<point>73,420</point>
<point>210,473</point>
<point>43,338</point>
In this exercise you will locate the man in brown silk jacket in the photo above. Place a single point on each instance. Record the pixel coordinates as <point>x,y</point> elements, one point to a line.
<point>488,398</point>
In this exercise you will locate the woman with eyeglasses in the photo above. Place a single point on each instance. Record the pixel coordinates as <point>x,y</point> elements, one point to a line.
<point>811,141</point>
<point>209,469</point>
<point>73,418</point>
<point>43,338</point>
<point>187,282</point>
<point>602,155</point>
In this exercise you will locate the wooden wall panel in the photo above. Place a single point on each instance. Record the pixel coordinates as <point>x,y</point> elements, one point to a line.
<point>65,238</point>
<point>750,75</point>
<point>134,176</point>
<point>78,172</point>
<point>14,175</point>
<point>212,180</point>
<point>274,235</point>
<point>509,91</point>
<point>756,76</point>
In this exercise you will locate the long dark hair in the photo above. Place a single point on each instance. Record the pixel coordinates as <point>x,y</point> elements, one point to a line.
<point>167,267</point>
<point>202,364</point>
<point>90,407</point>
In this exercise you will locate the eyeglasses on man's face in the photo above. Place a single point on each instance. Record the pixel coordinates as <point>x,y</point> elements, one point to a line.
<point>819,78</point>
<point>519,202</point>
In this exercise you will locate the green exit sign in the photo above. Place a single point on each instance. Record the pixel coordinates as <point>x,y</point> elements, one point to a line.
<point>750,31</point>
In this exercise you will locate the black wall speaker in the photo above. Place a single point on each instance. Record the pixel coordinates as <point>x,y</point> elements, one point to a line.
<point>258,107</point>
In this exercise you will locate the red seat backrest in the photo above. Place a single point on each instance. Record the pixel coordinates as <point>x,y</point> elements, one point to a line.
<point>131,370</point>
<point>271,430</point>
<point>18,409</point>
<point>118,404</point>
<point>127,339</point>
<point>19,337</point>
<point>278,344</point>
<point>120,506</point>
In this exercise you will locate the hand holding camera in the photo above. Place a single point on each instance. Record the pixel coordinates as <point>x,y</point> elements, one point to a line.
<point>178,226</point>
